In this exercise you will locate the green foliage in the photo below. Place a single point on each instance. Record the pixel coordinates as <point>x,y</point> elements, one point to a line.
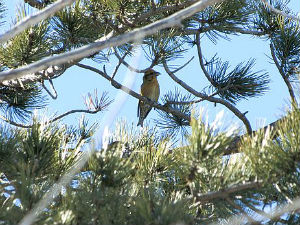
<point>286,45</point>
<point>240,83</point>
<point>27,47</point>
<point>171,124</point>
<point>72,28</point>
<point>18,102</point>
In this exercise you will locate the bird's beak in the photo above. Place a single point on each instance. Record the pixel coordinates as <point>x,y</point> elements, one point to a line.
<point>157,74</point>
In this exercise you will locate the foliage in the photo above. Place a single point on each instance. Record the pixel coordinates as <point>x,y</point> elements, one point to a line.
<point>146,176</point>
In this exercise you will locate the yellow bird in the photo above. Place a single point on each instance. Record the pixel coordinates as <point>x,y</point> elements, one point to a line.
<point>149,89</point>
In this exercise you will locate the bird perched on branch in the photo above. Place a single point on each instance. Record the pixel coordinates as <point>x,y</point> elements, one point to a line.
<point>149,89</point>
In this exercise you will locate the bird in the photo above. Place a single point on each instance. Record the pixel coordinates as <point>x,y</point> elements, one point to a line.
<point>149,89</point>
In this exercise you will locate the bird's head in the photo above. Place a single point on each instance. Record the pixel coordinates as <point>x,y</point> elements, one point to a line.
<point>150,75</point>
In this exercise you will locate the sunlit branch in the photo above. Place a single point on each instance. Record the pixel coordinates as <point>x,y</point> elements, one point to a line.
<point>191,31</point>
<point>34,19</point>
<point>202,198</point>
<point>280,12</point>
<point>274,214</point>
<point>231,107</point>
<point>117,85</point>
<point>108,41</point>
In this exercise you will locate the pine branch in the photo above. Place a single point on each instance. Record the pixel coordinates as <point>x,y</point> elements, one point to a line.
<point>34,19</point>
<point>108,41</point>
<point>191,31</point>
<point>231,107</point>
<point>202,198</point>
<point>35,3</point>
<point>236,206</point>
<point>117,85</point>
<point>54,119</point>
<point>279,12</point>
<point>200,57</point>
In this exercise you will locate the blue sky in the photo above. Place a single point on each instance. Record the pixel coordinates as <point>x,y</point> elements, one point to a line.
<point>77,82</point>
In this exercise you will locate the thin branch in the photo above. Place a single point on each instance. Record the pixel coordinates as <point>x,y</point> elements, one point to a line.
<point>122,60</point>
<point>275,213</point>
<point>52,94</point>
<point>108,41</point>
<point>200,57</point>
<point>34,19</point>
<point>284,77</point>
<point>285,196</point>
<point>191,31</point>
<point>134,94</point>
<point>236,206</point>
<point>231,107</point>
<point>52,120</point>
<point>14,123</point>
<point>224,193</point>
<point>184,65</point>
<point>280,12</point>
<point>258,211</point>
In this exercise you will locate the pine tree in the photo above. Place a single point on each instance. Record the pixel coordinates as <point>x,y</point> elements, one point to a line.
<point>53,173</point>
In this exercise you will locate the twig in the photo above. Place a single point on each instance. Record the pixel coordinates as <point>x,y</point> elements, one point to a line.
<point>231,107</point>
<point>191,31</point>
<point>200,57</point>
<point>276,213</point>
<point>236,206</point>
<point>284,77</point>
<point>184,65</point>
<point>256,210</point>
<point>108,41</point>
<point>34,19</point>
<point>202,198</point>
<point>52,95</point>
<point>52,120</point>
<point>121,59</point>
<point>280,12</point>
<point>134,94</point>
<point>14,123</point>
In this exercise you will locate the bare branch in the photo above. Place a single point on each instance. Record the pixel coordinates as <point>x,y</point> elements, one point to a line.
<point>122,60</point>
<point>231,107</point>
<point>226,192</point>
<point>284,77</point>
<point>34,19</point>
<point>280,12</point>
<point>233,204</point>
<point>184,65</point>
<point>14,123</point>
<point>107,41</point>
<point>200,57</point>
<point>52,94</point>
<point>134,94</point>
<point>52,120</point>
<point>191,31</point>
